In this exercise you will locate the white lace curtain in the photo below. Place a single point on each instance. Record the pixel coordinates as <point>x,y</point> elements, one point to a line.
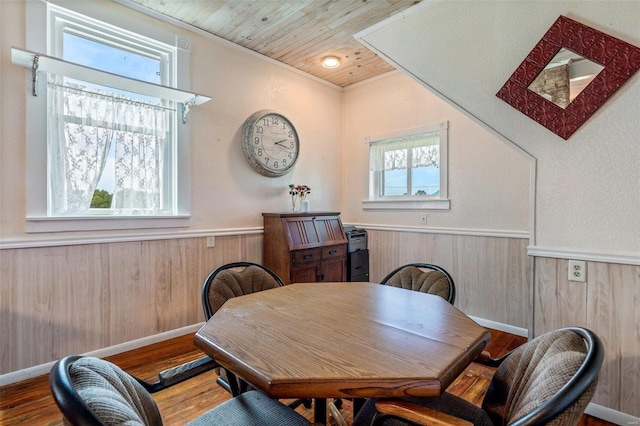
<point>392,154</point>
<point>82,126</point>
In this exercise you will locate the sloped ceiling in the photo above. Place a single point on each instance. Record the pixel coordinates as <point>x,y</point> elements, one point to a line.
<point>298,33</point>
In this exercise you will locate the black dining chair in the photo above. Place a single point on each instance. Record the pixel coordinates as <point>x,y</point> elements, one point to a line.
<point>233,280</point>
<point>547,381</point>
<point>91,391</point>
<point>423,277</point>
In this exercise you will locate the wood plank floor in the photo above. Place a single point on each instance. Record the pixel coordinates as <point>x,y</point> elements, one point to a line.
<point>30,402</point>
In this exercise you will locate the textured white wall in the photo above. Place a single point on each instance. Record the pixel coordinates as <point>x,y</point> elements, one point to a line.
<point>488,181</point>
<point>588,188</point>
<point>226,192</point>
<point>12,120</point>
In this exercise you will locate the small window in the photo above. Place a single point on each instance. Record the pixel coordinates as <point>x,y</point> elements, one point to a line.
<point>408,169</point>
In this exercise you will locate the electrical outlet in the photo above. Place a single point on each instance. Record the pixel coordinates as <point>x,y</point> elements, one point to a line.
<point>577,270</point>
<point>423,218</point>
<point>211,241</point>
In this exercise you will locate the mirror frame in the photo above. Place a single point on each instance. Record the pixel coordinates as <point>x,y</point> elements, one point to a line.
<point>620,61</point>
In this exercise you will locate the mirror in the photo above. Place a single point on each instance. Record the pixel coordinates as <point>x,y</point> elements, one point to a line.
<point>565,77</point>
<point>608,64</point>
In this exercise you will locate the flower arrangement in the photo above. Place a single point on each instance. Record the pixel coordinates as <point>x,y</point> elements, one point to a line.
<point>298,192</point>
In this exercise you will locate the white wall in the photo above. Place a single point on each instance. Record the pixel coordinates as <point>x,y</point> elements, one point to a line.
<point>226,192</point>
<point>488,189</point>
<point>488,181</point>
<point>588,188</point>
<point>12,120</point>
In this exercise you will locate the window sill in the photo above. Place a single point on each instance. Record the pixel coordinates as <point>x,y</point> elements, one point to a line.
<point>102,223</point>
<point>406,204</point>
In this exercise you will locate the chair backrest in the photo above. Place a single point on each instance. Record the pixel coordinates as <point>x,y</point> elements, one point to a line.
<point>549,380</point>
<point>423,277</point>
<point>92,391</point>
<point>235,279</point>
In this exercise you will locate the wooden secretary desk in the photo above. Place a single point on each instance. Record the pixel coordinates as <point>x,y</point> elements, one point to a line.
<point>305,247</point>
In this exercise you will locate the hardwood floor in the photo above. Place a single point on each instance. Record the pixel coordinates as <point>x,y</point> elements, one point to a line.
<point>30,402</point>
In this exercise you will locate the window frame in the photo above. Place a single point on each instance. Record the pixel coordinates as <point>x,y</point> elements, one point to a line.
<point>40,26</point>
<point>409,201</point>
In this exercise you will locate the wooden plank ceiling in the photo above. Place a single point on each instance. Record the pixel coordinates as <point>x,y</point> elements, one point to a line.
<point>296,32</point>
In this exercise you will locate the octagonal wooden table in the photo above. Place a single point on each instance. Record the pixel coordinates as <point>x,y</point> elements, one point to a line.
<point>342,340</point>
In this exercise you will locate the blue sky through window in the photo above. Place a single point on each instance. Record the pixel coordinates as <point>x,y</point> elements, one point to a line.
<point>423,178</point>
<point>83,51</point>
<point>90,53</point>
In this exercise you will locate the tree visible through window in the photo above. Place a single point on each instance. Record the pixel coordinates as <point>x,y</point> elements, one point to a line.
<point>109,149</point>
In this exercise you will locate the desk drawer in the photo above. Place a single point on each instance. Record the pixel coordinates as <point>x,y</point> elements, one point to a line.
<point>334,251</point>
<point>306,256</point>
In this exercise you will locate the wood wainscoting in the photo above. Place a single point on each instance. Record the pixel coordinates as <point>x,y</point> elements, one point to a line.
<point>56,301</point>
<point>608,304</point>
<point>491,274</point>
<point>80,298</point>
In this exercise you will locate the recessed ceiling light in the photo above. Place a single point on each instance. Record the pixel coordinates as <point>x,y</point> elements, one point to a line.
<point>330,62</point>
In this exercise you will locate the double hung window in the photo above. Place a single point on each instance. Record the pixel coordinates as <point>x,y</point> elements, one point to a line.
<point>109,150</point>
<point>107,147</point>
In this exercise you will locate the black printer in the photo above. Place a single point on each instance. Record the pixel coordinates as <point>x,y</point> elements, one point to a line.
<point>357,254</point>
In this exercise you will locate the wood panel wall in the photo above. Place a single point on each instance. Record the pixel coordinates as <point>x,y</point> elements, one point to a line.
<point>608,304</point>
<point>56,301</point>
<point>74,299</point>
<point>490,273</point>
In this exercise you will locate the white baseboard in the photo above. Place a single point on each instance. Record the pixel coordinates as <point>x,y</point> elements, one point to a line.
<point>42,369</point>
<point>518,331</point>
<point>611,415</point>
<point>594,410</point>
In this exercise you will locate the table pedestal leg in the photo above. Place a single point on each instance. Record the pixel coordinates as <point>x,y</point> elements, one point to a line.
<point>320,410</point>
<point>357,405</point>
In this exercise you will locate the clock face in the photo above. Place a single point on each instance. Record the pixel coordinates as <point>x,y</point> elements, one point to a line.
<point>270,143</point>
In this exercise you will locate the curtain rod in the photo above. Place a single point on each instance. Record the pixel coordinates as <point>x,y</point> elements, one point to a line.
<point>105,95</point>
<point>40,62</point>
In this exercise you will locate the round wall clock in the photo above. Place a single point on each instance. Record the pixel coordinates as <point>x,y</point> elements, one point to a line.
<point>270,143</point>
